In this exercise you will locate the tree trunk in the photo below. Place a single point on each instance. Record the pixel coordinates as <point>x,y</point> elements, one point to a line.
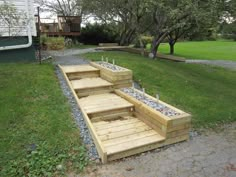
<point>126,37</point>
<point>156,43</point>
<point>155,46</point>
<point>172,46</point>
<point>122,38</point>
<point>141,46</point>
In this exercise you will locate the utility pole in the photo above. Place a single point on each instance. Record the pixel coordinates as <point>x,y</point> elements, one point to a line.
<point>39,34</point>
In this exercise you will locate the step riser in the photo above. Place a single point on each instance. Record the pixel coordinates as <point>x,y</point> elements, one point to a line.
<point>110,115</point>
<point>93,91</point>
<point>82,75</point>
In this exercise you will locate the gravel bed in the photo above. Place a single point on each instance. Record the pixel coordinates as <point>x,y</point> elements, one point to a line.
<point>153,104</point>
<point>77,114</point>
<point>110,66</point>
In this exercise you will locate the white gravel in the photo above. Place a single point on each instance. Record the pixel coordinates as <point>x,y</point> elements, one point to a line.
<point>153,104</point>
<point>110,66</point>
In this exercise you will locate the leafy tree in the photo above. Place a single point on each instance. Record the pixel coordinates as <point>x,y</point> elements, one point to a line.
<point>127,15</point>
<point>174,18</point>
<point>229,30</point>
<point>62,7</point>
<point>228,19</point>
<point>200,24</point>
<point>97,33</point>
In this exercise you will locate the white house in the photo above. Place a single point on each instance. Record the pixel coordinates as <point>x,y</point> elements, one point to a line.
<point>25,28</point>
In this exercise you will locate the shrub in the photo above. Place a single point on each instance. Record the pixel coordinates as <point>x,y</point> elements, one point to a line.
<point>52,43</point>
<point>145,39</point>
<point>98,33</point>
<point>229,30</point>
<point>55,43</point>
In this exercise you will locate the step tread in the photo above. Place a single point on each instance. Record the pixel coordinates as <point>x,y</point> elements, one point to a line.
<point>103,102</point>
<point>78,68</point>
<point>125,134</point>
<point>141,140</point>
<point>87,83</point>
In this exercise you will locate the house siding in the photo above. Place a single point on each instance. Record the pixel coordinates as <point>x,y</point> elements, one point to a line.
<point>24,54</point>
<point>21,7</point>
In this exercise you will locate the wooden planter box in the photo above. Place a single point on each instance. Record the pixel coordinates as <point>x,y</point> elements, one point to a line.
<point>120,79</point>
<point>174,129</point>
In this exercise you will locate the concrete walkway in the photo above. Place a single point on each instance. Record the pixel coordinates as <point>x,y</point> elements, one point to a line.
<point>221,63</point>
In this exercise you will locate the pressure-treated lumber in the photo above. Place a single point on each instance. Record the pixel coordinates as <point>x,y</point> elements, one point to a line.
<point>107,101</point>
<point>126,133</point>
<point>101,151</point>
<point>120,79</point>
<point>89,83</point>
<point>91,86</point>
<point>169,127</point>
<point>75,72</point>
<point>78,68</point>
<point>119,124</point>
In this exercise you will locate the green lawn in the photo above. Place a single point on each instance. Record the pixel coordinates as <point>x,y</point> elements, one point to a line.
<point>208,93</point>
<point>210,50</point>
<point>37,132</point>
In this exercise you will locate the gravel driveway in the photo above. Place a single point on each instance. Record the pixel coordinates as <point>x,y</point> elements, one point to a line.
<point>221,63</point>
<point>210,154</point>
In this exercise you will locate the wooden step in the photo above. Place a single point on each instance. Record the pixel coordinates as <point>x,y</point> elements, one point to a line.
<point>103,103</point>
<point>91,86</point>
<point>112,115</point>
<point>81,71</point>
<point>88,83</point>
<point>78,68</point>
<point>126,134</point>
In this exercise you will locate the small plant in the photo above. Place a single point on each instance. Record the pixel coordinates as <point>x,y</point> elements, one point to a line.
<point>44,162</point>
<point>52,43</point>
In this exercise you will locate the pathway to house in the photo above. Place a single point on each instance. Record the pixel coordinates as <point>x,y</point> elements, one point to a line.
<point>222,63</point>
<point>206,154</point>
<point>68,56</point>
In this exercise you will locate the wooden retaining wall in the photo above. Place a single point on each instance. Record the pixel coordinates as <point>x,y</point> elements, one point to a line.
<point>174,128</point>
<point>119,124</point>
<point>120,79</point>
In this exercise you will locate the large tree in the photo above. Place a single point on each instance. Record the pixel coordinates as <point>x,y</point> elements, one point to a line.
<point>228,19</point>
<point>173,18</point>
<point>127,15</point>
<point>201,22</point>
<point>62,7</point>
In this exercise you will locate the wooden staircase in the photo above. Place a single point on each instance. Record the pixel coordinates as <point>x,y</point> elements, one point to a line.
<point>113,123</point>
<point>91,86</point>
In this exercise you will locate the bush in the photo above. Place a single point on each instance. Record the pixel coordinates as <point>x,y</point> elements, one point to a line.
<point>145,39</point>
<point>229,30</point>
<point>52,43</point>
<point>94,34</point>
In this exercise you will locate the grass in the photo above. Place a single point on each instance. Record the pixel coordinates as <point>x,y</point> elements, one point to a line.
<point>208,93</point>
<point>209,50</point>
<point>37,131</point>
